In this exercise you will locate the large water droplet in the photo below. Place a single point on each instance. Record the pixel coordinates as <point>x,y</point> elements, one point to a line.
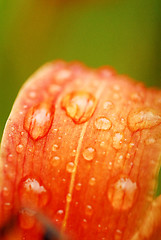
<point>89,153</point>
<point>38,120</point>
<point>70,167</point>
<point>79,105</point>
<point>103,123</point>
<point>117,141</point>
<point>122,193</point>
<point>143,119</point>
<point>33,193</point>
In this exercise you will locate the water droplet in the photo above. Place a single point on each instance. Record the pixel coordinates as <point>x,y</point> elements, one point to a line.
<point>92,181</point>
<point>38,120</point>
<point>103,123</point>
<point>118,234</point>
<point>150,141</point>
<point>33,193</point>
<point>89,210</point>
<point>55,161</point>
<point>89,153</point>
<point>32,94</point>
<point>69,197</point>
<point>70,167</point>
<point>60,212</point>
<point>143,119</point>
<point>26,219</point>
<point>55,147</point>
<point>131,145</point>
<point>122,193</point>
<point>79,105</point>
<point>19,148</point>
<point>10,158</point>
<point>107,105</point>
<point>78,186</point>
<point>84,223</point>
<point>117,141</point>
<point>63,75</point>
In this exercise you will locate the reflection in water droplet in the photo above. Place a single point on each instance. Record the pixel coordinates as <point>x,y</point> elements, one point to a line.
<point>89,153</point>
<point>33,193</point>
<point>32,94</point>
<point>79,105</point>
<point>117,141</point>
<point>122,193</point>
<point>19,148</point>
<point>55,161</point>
<point>78,186</point>
<point>89,210</point>
<point>26,219</point>
<point>103,123</point>
<point>92,181</point>
<point>143,119</point>
<point>38,120</point>
<point>70,167</point>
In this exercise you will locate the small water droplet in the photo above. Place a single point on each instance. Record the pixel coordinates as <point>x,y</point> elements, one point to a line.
<point>27,219</point>
<point>55,161</point>
<point>32,94</point>
<point>131,145</point>
<point>79,105</point>
<point>70,167</point>
<point>19,148</point>
<point>89,153</point>
<point>63,75</point>
<point>117,141</point>
<point>128,155</point>
<point>92,181</point>
<point>107,105</point>
<point>89,210</point>
<point>33,193</point>
<point>55,147</point>
<point>38,120</point>
<point>103,123</point>
<point>10,158</point>
<point>150,141</point>
<point>69,197</point>
<point>143,119</point>
<point>122,193</point>
<point>60,212</point>
<point>22,133</point>
<point>84,223</point>
<point>78,186</point>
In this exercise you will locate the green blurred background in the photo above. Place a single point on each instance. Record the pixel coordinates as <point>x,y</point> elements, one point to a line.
<point>122,33</point>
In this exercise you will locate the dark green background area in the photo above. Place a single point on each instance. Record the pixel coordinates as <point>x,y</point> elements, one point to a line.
<point>122,33</point>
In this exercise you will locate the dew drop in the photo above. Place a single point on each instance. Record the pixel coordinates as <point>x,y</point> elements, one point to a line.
<point>70,167</point>
<point>150,141</point>
<point>19,148</point>
<point>117,141</point>
<point>103,123</point>
<point>79,105</point>
<point>32,94</point>
<point>33,193</point>
<point>92,181</point>
<point>89,153</point>
<point>78,186</point>
<point>69,197</point>
<point>107,105</point>
<point>38,120</point>
<point>55,147</point>
<point>89,210</point>
<point>122,193</point>
<point>10,158</point>
<point>55,161</point>
<point>143,119</point>
<point>27,219</point>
